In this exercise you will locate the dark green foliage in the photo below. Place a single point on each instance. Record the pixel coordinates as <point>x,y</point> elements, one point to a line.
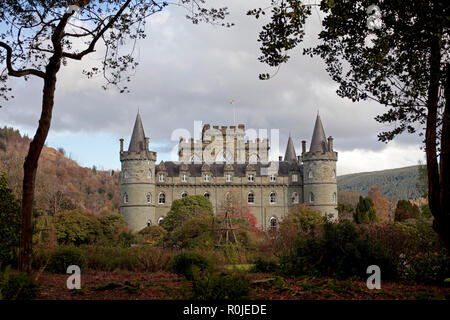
<point>184,263</point>
<point>77,227</point>
<point>20,286</point>
<point>62,257</point>
<point>10,222</point>
<point>432,268</point>
<point>213,286</point>
<point>341,252</point>
<point>2,146</point>
<point>365,211</point>
<point>265,265</point>
<point>187,207</point>
<point>111,224</point>
<point>399,183</point>
<point>406,210</point>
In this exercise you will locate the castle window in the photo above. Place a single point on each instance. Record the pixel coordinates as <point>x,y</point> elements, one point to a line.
<point>149,174</point>
<point>251,197</point>
<point>251,178</point>
<point>160,220</point>
<point>333,173</point>
<point>310,175</point>
<point>149,223</point>
<point>125,173</point>
<point>206,195</point>
<point>273,223</point>
<point>334,197</point>
<point>273,197</point>
<point>206,178</point>
<point>184,178</point>
<point>162,177</point>
<point>184,195</point>
<point>273,178</point>
<point>294,197</point>
<point>229,177</point>
<point>125,198</point>
<point>149,197</point>
<point>162,198</point>
<point>311,197</point>
<point>294,178</point>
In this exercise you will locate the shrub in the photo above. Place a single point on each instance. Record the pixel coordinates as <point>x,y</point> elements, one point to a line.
<point>213,286</point>
<point>153,235</point>
<point>20,286</point>
<point>194,232</point>
<point>365,211</point>
<point>430,268</point>
<point>406,210</point>
<point>183,263</point>
<point>10,223</point>
<point>187,207</point>
<point>77,227</point>
<point>151,259</point>
<point>265,265</point>
<point>111,225</point>
<point>63,257</point>
<point>341,252</point>
<point>109,258</point>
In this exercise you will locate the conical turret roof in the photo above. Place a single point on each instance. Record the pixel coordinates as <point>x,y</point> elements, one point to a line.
<point>137,142</point>
<point>289,155</point>
<point>319,140</point>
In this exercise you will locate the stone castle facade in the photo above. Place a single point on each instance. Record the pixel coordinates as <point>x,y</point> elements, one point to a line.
<point>221,166</point>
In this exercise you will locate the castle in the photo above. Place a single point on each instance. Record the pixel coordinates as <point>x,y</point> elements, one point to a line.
<point>222,165</point>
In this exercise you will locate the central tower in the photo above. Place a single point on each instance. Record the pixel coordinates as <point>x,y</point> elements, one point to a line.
<point>137,183</point>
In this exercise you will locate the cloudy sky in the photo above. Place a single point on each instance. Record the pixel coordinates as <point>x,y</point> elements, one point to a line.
<point>191,73</point>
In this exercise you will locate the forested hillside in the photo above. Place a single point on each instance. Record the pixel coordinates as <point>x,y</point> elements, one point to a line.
<point>61,184</point>
<point>399,183</point>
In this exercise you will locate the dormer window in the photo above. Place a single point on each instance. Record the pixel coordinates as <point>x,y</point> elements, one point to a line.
<point>229,177</point>
<point>183,178</point>
<point>294,178</point>
<point>162,177</point>
<point>206,177</point>
<point>251,178</point>
<point>273,178</point>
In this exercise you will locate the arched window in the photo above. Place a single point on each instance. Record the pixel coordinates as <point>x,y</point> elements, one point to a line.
<point>149,197</point>
<point>311,197</point>
<point>334,197</point>
<point>273,197</point>
<point>206,195</point>
<point>310,175</point>
<point>125,173</point>
<point>160,220</point>
<point>162,198</point>
<point>125,198</point>
<point>333,173</point>
<point>184,194</point>
<point>251,197</point>
<point>149,174</point>
<point>149,223</point>
<point>273,223</point>
<point>294,197</point>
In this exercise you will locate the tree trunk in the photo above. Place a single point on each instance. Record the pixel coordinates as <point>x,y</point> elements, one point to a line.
<point>31,163</point>
<point>442,221</point>
<point>435,188</point>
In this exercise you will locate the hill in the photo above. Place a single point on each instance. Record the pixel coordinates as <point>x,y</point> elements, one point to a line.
<point>61,184</point>
<point>399,183</point>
